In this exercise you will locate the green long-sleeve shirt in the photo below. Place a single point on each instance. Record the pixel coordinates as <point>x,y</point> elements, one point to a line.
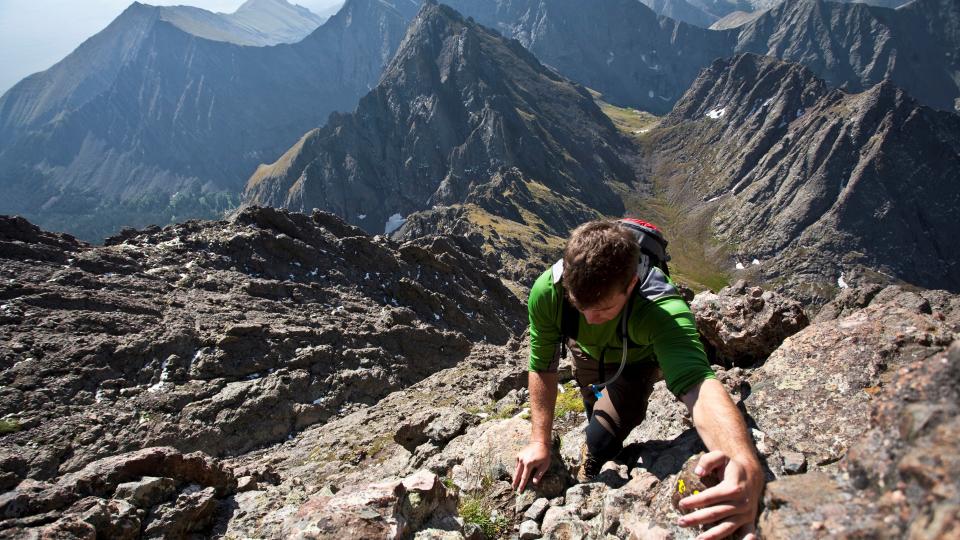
<point>663,327</point>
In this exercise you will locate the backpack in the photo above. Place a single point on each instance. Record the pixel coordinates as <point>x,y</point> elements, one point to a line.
<point>653,253</point>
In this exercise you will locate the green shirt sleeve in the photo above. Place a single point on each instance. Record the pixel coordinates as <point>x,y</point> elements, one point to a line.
<point>542,310</point>
<point>669,325</point>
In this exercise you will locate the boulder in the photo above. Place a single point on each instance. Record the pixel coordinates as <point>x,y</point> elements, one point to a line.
<point>742,325</point>
<point>146,492</point>
<point>192,512</point>
<point>493,456</point>
<point>393,509</point>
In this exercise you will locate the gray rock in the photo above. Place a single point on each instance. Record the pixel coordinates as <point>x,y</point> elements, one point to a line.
<point>586,499</point>
<point>563,520</point>
<point>529,530</point>
<point>537,509</point>
<point>794,462</point>
<point>192,512</point>
<point>148,491</point>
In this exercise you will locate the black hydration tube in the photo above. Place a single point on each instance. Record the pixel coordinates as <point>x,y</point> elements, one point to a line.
<point>597,388</point>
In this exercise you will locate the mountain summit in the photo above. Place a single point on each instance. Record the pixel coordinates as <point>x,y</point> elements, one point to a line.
<point>458,109</point>
<point>256,22</point>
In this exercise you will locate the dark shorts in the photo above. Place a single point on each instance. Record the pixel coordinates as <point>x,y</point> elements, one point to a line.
<point>622,405</point>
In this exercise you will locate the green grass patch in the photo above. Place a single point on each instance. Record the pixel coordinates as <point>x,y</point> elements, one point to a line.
<point>631,122</point>
<point>478,510</point>
<point>491,412</point>
<point>568,401</point>
<point>9,426</point>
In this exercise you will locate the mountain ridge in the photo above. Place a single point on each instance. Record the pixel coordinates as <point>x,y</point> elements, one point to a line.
<point>148,137</point>
<point>472,106</point>
<point>814,182</point>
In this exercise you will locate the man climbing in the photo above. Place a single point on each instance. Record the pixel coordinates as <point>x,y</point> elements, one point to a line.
<point>610,299</point>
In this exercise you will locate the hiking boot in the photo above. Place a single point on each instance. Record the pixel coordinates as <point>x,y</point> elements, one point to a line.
<point>589,466</point>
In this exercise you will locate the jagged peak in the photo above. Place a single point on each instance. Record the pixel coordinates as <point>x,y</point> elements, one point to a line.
<point>732,87</point>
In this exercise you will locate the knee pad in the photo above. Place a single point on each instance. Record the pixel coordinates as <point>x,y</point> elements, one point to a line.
<point>602,444</point>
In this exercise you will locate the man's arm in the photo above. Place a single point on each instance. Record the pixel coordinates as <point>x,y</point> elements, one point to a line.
<point>534,459</point>
<point>732,504</point>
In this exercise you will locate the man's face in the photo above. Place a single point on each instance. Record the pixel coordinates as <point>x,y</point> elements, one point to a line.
<point>608,308</point>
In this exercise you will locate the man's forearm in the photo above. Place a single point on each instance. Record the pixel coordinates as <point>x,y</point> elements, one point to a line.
<point>719,422</point>
<point>543,399</point>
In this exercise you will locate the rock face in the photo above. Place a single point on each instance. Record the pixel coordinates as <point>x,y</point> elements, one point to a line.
<point>902,471</point>
<point>742,325</point>
<point>110,136</point>
<point>461,115</point>
<point>222,336</point>
<point>819,188</point>
<point>828,373</point>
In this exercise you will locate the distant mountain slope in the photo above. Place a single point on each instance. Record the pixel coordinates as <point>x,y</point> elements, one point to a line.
<point>855,46</point>
<point>256,22</point>
<point>681,10</point>
<point>816,183</point>
<point>623,50</point>
<point>461,115</point>
<point>145,123</point>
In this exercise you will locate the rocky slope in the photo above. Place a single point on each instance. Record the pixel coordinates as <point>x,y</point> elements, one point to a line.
<point>222,336</point>
<point>286,375</point>
<point>815,188</point>
<point>125,132</point>
<point>461,115</point>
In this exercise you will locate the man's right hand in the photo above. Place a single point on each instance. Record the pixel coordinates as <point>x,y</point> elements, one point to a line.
<point>533,460</point>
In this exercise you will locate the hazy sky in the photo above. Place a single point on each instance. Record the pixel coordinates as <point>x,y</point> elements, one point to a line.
<point>35,34</point>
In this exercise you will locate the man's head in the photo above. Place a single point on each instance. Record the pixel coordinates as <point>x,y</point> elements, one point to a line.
<point>600,269</point>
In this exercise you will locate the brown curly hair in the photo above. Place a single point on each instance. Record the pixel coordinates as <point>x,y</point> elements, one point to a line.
<point>599,260</point>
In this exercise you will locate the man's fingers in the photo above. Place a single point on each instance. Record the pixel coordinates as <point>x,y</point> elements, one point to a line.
<point>722,530</point>
<point>724,492</point>
<point>748,532</point>
<point>705,516</point>
<point>711,461</point>
<point>527,469</point>
<point>517,473</point>
<point>539,476</point>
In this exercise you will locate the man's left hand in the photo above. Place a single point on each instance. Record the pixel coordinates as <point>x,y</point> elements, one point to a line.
<point>731,505</point>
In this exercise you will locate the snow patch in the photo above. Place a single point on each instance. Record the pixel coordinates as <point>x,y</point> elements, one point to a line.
<point>740,265</point>
<point>842,283</point>
<point>164,375</point>
<point>756,262</point>
<point>716,114</point>
<point>395,222</point>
